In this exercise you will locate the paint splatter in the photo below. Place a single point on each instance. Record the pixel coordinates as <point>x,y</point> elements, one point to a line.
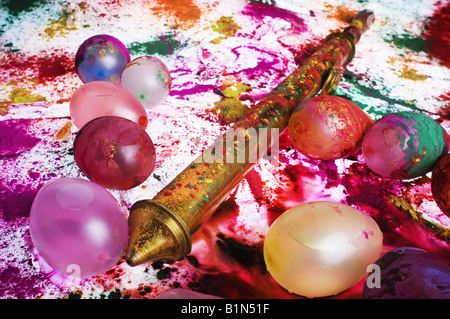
<point>259,11</point>
<point>225,26</point>
<point>184,12</point>
<point>18,6</point>
<point>44,68</point>
<point>438,35</point>
<point>230,109</point>
<point>65,22</point>
<point>16,137</point>
<point>411,74</point>
<point>164,45</point>
<point>409,42</point>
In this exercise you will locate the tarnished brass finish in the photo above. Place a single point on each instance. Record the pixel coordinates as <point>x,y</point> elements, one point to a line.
<point>161,228</point>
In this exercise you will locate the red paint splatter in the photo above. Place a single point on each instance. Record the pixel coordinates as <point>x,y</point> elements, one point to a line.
<point>438,35</point>
<point>444,113</point>
<point>20,67</point>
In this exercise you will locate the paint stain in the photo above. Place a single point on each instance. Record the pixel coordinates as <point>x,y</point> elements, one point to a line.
<point>16,7</point>
<point>342,13</point>
<point>65,23</point>
<point>21,96</point>
<point>16,137</point>
<point>444,112</point>
<point>40,69</point>
<point>225,26</point>
<point>437,35</point>
<point>16,200</point>
<point>409,42</point>
<point>371,92</point>
<point>230,109</point>
<point>64,132</point>
<point>164,45</point>
<point>260,10</point>
<point>184,12</point>
<point>14,283</point>
<point>411,74</point>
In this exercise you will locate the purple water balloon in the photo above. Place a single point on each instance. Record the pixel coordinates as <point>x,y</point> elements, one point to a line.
<point>101,58</point>
<point>77,225</point>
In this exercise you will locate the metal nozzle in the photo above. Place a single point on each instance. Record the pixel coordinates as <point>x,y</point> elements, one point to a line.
<point>157,234</point>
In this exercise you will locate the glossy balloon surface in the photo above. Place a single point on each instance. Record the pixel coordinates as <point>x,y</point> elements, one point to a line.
<point>114,152</point>
<point>328,127</point>
<point>320,249</point>
<point>101,58</point>
<point>408,273</point>
<point>77,225</point>
<point>148,79</point>
<point>404,145</point>
<point>440,184</point>
<point>101,98</point>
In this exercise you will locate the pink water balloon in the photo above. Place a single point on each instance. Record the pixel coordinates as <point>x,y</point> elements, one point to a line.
<point>102,98</point>
<point>77,225</point>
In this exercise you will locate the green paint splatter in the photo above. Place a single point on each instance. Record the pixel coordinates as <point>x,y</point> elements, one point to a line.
<point>370,99</point>
<point>164,45</point>
<point>408,41</point>
<point>16,7</point>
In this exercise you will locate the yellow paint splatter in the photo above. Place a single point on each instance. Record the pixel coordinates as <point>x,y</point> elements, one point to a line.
<point>18,96</point>
<point>412,74</point>
<point>225,26</point>
<point>230,110</point>
<point>65,23</point>
<point>234,90</point>
<point>21,96</point>
<point>64,132</point>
